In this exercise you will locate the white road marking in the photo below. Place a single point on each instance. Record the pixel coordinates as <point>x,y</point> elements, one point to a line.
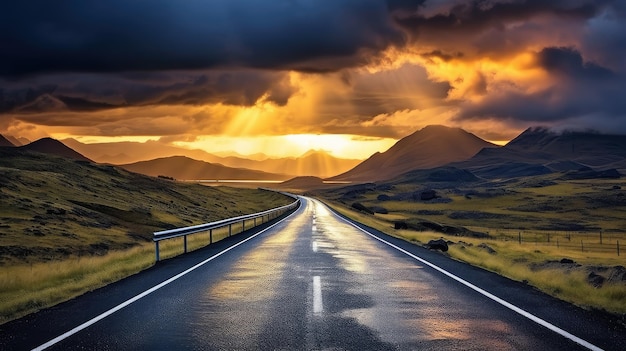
<point>314,246</point>
<point>504,303</point>
<point>314,229</point>
<point>317,295</point>
<point>147,292</point>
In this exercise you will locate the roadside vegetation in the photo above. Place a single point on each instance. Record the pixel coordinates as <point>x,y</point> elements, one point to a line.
<point>570,231</point>
<point>68,227</point>
<point>538,267</point>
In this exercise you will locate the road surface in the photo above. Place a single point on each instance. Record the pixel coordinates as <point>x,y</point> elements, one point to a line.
<point>313,282</point>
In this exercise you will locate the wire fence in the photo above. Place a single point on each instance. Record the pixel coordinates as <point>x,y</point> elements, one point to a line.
<point>597,241</point>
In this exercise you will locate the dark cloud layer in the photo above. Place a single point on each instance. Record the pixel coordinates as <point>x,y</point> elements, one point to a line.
<point>119,35</point>
<point>89,56</point>
<point>84,92</point>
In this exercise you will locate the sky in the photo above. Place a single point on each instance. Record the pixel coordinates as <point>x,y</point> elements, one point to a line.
<point>279,77</point>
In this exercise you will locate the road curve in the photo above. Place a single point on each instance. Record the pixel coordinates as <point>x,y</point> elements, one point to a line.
<point>313,282</point>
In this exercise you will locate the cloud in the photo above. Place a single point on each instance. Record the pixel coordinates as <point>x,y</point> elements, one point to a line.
<point>86,92</point>
<point>117,35</point>
<point>582,93</point>
<point>379,68</point>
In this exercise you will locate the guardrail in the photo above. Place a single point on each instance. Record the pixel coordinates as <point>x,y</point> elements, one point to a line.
<point>209,227</point>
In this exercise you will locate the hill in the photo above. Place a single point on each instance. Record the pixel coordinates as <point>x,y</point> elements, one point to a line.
<point>430,147</point>
<point>5,142</point>
<point>54,207</point>
<point>312,163</point>
<point>53,147</point>
<point>181,167</point>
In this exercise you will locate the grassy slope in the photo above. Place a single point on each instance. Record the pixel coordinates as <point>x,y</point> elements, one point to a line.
<point>590,205</point>
<point>67,227</point>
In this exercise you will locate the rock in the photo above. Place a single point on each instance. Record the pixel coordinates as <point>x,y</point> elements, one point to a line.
<point>359,206</point>
<point>379,209</point>
<point>428,195</point>
<point>487,248</point>
<point>400,225</point>
<point>438,244</point>
<point>383,197</point>
<point>566,260</point>
<point>617,274</point>
<point>595,280</point>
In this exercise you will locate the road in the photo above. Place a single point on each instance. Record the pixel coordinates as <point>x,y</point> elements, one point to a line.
<point>313,282</point>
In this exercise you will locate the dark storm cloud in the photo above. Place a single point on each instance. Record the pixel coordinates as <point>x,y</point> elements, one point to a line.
<point>118,35</point>
<point>84,92</point>
<point>469,17</point>
<point>583,93</point>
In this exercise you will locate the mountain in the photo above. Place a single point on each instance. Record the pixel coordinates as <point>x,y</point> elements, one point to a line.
<point>588,148</point>
<point>17,141</point>
<point>181,167</point>
<point>430,147</point>
<point>539,151</point>
<point>5,142</point>
<point>54,147</point>
<point>313,163</point>
<point>129,151</point>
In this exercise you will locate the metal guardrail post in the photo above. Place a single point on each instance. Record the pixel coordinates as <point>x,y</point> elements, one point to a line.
<point>156,250</point>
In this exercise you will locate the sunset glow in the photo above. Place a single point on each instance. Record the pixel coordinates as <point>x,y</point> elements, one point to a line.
<point>288,82</point>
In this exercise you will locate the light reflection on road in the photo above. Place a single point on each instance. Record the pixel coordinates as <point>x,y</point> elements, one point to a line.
<point>371,296</point>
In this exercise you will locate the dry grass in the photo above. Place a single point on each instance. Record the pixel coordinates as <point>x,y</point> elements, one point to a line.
<point>516,261</point>
<point>67,227</point>
<point>28,288</point>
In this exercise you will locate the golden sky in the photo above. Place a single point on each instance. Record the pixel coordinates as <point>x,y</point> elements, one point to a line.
<point>280,78</point>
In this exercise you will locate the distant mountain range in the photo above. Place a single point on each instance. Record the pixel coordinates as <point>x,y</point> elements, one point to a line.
<point>185,168</point>
<point>539,151</point>
<point>430,147</point>
<point>447,153</point>
<point>315,163</point>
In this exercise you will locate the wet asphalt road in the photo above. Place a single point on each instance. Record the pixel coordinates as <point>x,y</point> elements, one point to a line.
<point>311,282</point>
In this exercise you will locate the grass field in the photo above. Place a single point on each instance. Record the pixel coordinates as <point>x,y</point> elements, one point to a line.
<point>539,267</point>
<point>67,227</point>
<point>583,221</point>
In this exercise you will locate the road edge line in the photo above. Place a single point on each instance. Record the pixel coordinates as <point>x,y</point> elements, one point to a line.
<point>481,291</point>
<point>149,291</point>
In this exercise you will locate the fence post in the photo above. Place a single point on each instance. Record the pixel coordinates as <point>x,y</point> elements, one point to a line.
<point>519,237</point>
<point>185,243</point>
<point>617,247</point>
<point>210,236</point>
<point>230,229</point>
<point>600,236</point>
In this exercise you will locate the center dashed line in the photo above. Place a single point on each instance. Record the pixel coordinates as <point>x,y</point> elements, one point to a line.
<point>318,307</point>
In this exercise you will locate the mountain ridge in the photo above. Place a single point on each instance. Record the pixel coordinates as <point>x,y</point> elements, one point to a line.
<point>316,164</point>
<point>185,168</point>
<point>54,147</point>
<point>426,148</point>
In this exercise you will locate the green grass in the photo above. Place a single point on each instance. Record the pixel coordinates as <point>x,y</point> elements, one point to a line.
<point>67,227</point>
<point>517,261</point>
